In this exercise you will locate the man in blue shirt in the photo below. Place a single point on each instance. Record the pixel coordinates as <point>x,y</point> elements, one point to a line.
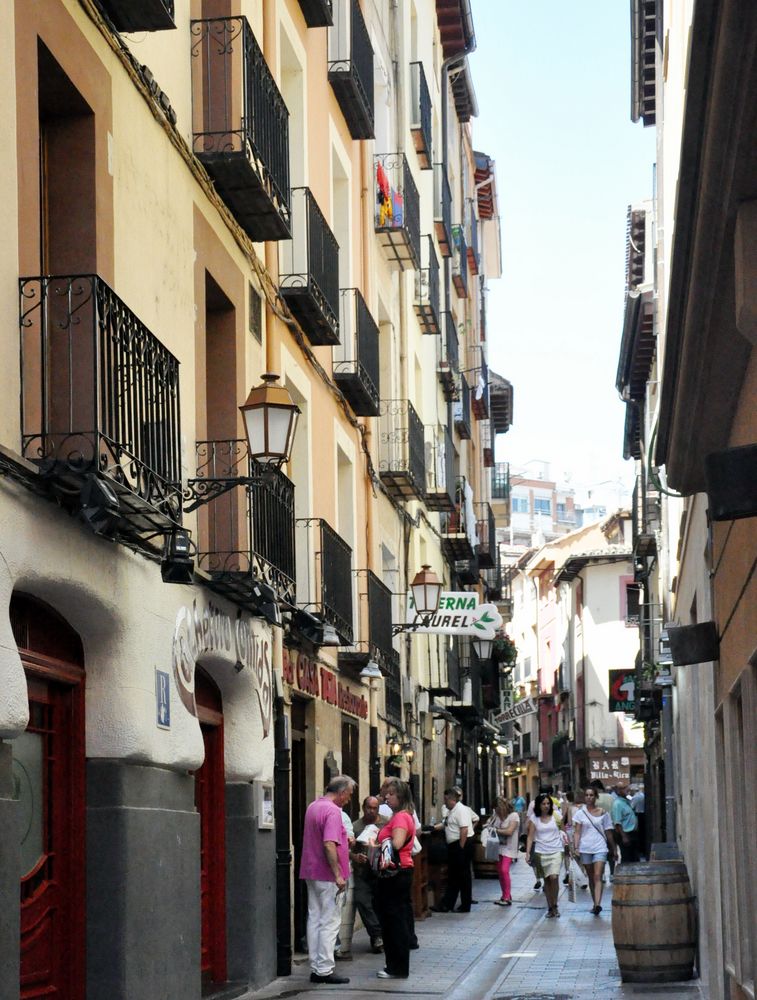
<point>626,824</point>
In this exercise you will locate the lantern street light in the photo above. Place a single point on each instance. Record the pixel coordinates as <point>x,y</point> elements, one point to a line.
<point>483,648</point>
<point>426,589</point>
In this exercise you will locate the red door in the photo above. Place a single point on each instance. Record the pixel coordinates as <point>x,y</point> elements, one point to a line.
<point>210,800</point>
<point>48,770</point>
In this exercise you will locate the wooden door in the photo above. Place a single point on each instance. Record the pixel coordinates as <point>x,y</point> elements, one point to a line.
<point>299,805</point>
<point>48,772</point>
<point>210,799</point>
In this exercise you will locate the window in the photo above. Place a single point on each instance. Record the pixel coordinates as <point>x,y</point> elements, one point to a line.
<point>543,505</point>
<point>562,512</point>
<point>520,505</point>
<point>256,311</point>
<point>633,602</point>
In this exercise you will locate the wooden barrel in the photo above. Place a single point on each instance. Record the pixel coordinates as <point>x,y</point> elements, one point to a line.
<point>654,922</point>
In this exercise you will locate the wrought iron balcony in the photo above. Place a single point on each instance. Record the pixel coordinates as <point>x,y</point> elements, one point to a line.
<point>351,67</point>
<point>246,535</point>
<point>487,444</point>
<point>99,395</point>
<point>398,214</point>
<point>401,450</point>
<point>501,481</point>
<point>393,690</point>
<point>479,383</point>
<point>140,15</point>
<point>443,210</point>
<point>309,269</point>
<point>461,411</point>
<point>375,623</point>
<point>458,526</point>
<point>449,361</point>
<point>420,114</point>
<point>317,13</point>
<point>472,231</point>
<point>356,359</point>
<point>500,402</point>
<point>427,291</point>
<point>466,570</point>
<point>459,262</point>
<point>444,670</point>
<point>330,596</point>
<point>241,126</point>
<point>486,550</point>
<point>440,466</point>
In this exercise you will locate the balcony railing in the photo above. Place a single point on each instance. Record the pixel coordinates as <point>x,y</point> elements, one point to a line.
<point>351,67</point>
<point>440,465</point>
<point>427,291</point>
<point>473,254</point>
<point>356,359</point>
<point>420,114</point>
<point>443,210</point>
<point>375,625</point>
<point>459,262</point>
<point>401,450</point>
<point>487,444</point>
<point>458,526</point>
<point>461,411</point>
<point>100,394</point>
<point>486,550</point>
<point>310,271</point>
<point>330,596</point>
<point>241,126</point>
<point>317,13</point>
<point>449,360</point>
<point>393,690</point>
<point>501,481</point>
<point>140,15</point>
<point>398,216</point>
<point>479,384</point>
<point>245,536</point>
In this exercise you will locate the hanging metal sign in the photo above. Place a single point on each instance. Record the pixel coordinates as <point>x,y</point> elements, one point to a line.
<point>526,707</point>
<point>459,613</point>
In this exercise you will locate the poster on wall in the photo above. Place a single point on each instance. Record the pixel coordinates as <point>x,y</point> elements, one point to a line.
<point>622,688</point>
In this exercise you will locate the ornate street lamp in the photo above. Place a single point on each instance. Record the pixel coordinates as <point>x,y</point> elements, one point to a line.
<point>483,648</point>
<point>270,420</point>
<point>427,591</point>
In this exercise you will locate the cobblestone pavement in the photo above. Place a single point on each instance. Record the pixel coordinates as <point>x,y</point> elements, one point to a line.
<point>496,953</point>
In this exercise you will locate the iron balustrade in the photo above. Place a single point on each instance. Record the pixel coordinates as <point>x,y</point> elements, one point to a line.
<point>100,393</point>
<point>440,466</point>
<point>398,213</point>
<point>401,449</point>
<point>246,534</point>
<point>460,262</point>
<point>380,618</point>
<point>427,292</point>
<point>458,528</point>
<point>140,15</point>
<point>356,359</point>
<point>392,689</point>
<point>350,67</point>
<point>462,410</point>
<point>479,383</point>
<point>501,481</point>
<point>317,13</point>
<point>241,125</point>
<point>443,210</point>
<point>472,230</point>
<point>486,550</point>
<point>420,114</point>
<point>449,361</point>
<point>331,595</point>
<point>310,270</point>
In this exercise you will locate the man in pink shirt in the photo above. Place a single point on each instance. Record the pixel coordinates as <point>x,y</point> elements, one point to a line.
<point>325,866</point>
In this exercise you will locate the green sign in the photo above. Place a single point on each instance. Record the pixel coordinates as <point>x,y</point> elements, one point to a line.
<point>622,690</point>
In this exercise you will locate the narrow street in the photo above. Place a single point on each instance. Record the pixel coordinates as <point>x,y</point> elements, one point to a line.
<point>496,953</point>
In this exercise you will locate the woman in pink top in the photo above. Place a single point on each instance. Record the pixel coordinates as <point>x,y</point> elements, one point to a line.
<point>393,901</point>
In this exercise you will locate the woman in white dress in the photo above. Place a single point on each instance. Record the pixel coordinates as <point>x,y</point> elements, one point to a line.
<point>544,847</point>
<point>593,839</point>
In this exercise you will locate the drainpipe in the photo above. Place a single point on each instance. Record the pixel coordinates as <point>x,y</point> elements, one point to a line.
<point>271,247</point>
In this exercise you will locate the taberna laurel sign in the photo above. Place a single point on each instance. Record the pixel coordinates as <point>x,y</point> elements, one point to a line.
<point>459,613</point>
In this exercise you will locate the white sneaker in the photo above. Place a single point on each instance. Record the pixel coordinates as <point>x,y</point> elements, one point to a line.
<point>383,974</point>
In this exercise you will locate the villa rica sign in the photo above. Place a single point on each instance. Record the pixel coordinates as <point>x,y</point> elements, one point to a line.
<point>459,613</point>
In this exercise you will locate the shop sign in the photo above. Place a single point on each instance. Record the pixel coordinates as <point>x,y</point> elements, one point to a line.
<point>459,614</point>
<point>526,707</point>
<point>314,679</point>
<point>199,632</point>
<point>622,691</point>
<point>162,700</point>
<point>615,769</point>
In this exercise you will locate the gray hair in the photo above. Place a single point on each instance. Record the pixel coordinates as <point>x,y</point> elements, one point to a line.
<point>340,783</point>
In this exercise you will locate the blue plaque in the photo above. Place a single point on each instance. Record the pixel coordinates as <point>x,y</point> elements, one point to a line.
<point>162,699</point>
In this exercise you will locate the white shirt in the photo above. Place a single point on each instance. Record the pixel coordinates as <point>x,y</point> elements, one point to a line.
<point>637,803</point>
<point>592,838</point>
<point>509,847</point>
<point>458,817</point>
<point>547,839</point>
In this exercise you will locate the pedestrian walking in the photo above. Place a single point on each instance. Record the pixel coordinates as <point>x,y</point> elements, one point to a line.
<point>506,824</point>
<point>544,848</point>
<point>568,811</point>
<point>458,832</point>
<point>393,892</point>
<point>543,790</point>
<point>325,868</point>
<point>363,880</point>
<point>626,825</point>
<point>638,804</point>
<point>594,841</point>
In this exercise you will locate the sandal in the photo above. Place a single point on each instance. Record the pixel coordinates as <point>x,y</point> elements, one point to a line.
<point>551,912</point>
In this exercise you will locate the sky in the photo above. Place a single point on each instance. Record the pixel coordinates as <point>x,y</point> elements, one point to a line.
<point>552,80</point>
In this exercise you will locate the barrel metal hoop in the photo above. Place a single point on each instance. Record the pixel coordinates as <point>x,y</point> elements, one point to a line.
<point>654,902</point>
<point>659,880</point>
<point>655,947</point>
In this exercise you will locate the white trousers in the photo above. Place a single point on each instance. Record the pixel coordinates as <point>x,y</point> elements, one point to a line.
<point>324,918</point>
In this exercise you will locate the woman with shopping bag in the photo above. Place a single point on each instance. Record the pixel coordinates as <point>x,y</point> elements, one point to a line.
<point>502,845</point>
<point>593,837</point>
